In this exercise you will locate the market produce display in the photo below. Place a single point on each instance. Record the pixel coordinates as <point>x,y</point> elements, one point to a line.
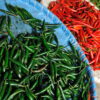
<point>33,68</point>
<point>83,20</point>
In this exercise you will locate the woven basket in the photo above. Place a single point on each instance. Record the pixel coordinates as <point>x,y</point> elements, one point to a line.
<point>62,33</point>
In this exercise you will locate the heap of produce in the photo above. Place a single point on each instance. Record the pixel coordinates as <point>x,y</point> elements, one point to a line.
<point>83,20</point>
<point>33,68</point>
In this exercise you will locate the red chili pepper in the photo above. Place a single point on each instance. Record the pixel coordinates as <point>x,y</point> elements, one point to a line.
<point>91,53</point>
<point>89,97</point>
<point>83,20</point>
<point>72,29</point>
<point>92,62</point>
<point>82,8</point>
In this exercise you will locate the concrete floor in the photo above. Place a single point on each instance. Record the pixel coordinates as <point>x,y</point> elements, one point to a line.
<point>98,91</point>
<point>97,80</point>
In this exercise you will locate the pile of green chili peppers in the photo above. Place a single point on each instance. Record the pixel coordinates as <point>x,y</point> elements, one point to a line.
<point>33,68</point>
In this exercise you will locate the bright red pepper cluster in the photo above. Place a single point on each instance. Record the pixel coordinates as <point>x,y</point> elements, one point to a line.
<point>83,20</point>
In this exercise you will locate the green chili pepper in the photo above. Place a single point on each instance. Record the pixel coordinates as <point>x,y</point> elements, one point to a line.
<point>22,97</point>
<point>34,85</point>
<point>2,92</point>
<point>86,88</point>
<point>1,53</point>
<point>8,92</point>
<point>30,95</point>
<point>18,53</point>
<point>6,75</point>
<point>10,33</point>
<point>6,60</point>
<point>15,93</point>
<point>19,64</point>
<point>62,93</point>
<point>12,83</point>
<point>48,97</point>
<point>2,22</point>
<point>43,90</point>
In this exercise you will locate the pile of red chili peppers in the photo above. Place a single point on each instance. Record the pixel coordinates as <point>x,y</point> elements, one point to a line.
<point>83,20</point>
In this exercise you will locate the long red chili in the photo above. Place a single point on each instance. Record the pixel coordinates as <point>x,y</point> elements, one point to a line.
<point>83,20</point>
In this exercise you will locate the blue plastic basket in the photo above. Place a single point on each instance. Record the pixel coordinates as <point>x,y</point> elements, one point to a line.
<point>62,33</point>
